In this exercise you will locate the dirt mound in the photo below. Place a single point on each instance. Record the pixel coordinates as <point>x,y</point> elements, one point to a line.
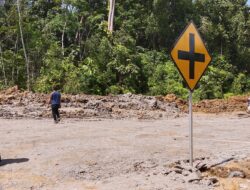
<point>17,104</point>
<point>232,104</point>
<point>172,98</point>
<point>235,103</point>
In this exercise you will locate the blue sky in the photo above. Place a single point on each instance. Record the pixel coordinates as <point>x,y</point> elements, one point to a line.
<point>248,2</point>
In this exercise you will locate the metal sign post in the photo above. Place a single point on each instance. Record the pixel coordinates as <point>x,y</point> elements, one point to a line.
<point>190,128</point>
<point>192,58</point>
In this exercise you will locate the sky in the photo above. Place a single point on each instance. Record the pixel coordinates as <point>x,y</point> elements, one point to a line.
<point>248,2</point>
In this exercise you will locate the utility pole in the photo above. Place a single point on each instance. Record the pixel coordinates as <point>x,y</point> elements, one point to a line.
<point>111,15</point>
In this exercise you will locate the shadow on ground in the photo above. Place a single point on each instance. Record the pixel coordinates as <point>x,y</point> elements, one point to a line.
<point>13,161</point>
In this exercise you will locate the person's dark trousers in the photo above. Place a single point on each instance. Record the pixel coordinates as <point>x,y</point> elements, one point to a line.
<point>55,111</point>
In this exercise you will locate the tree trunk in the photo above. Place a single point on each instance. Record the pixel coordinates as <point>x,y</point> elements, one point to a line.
<point>84,47</point>
<point>221,50</point>
<point>15,66</point>
<point>77,36</point>
<point>63,33</point>
<point>23,44</point>
<point>3,67</point>
<point>111,15</point>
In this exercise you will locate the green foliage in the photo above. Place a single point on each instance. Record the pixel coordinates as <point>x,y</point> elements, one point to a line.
<point>114,90</point>
<point>241,84</point>
<point>228,95</point>
<point>166,80</point>
<point>77,79</point>
<point>68,45</point>
<point>52,71</point>
<point>217,80</point>
<point>2,86</point>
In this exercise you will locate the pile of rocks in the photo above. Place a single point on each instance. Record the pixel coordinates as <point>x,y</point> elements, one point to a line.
<point>205,171</point>
<point>183,172</point>
<point>17,104</point>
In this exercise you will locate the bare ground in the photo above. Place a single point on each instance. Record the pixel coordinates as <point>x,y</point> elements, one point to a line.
<point>113,154</point>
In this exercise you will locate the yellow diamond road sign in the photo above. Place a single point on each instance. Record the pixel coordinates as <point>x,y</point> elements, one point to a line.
<point>190,55</point>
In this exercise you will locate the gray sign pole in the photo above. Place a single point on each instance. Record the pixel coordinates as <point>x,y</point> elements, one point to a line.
<point>190,129</point>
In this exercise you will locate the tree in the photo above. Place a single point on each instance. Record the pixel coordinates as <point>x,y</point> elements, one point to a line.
<point>67,42</point>
<point>23,44</point>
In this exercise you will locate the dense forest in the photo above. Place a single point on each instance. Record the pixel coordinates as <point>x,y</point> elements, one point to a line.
<point>67,43</point>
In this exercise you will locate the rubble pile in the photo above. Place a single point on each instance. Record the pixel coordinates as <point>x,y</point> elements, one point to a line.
<point>235,103</point>
<point>183,172</point>
<point>208,171</point>
<point>232,104</point>
<point>17,104</point>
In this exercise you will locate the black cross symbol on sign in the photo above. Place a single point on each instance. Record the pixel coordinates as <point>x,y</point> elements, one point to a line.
<point>191,56</point>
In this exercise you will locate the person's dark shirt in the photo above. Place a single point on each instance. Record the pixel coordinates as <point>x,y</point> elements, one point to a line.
<point>55,98</point>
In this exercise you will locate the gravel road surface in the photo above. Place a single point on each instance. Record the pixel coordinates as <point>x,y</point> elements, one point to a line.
<point>114,154</point>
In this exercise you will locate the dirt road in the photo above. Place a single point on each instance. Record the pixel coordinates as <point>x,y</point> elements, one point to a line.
<point>114,154</point>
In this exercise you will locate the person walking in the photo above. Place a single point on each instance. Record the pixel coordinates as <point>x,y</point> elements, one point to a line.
<point>55,101</point>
